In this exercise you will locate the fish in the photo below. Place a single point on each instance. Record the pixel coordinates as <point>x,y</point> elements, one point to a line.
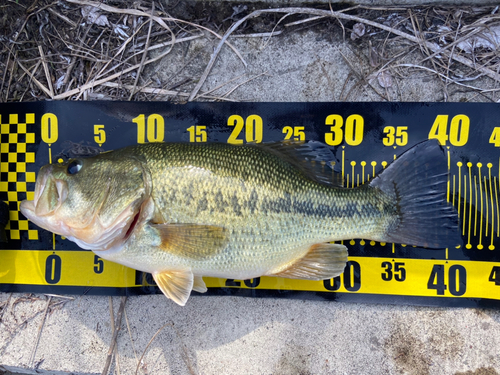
<point>184,211</point>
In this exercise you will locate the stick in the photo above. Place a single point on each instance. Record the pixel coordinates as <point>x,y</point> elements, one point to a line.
<point>33,352</point>
<point>149,343</point>
<point>115,335</point>
<point>47,73</point>
<point>132,92</point>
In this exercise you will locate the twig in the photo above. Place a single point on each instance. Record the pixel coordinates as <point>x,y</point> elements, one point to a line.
<point>37,82</point>
<point>33,352</point>
<point>158,91</point>
<point>47,73</point>
<point>258,35</point>
<point>73,59</point>
<point>221,85</point>
<point>141,65</point>
<point>115,335</point>
<point>130,336</point>
<point>151,48</point>
<point>446,78</point>
<point>90,85</point>
<point>299,22</point>
<point>59,296</point>
<point>360,78</point>
<point>8,61</point>
<point>149,343</point>
<point>5,307</point>
<point>122,49</point>
<point>242,83</point>
<point>63,17</point>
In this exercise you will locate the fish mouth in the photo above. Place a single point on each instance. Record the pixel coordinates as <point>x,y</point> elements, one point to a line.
<point>50,194</point>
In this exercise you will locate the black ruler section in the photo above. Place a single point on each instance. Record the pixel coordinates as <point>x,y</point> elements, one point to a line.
<point>363,137</point>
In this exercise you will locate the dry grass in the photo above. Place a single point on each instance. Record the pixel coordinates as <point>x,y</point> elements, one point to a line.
<point>83,49</point>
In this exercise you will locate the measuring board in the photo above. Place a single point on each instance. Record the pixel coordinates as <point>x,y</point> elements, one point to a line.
<point>363,137</point>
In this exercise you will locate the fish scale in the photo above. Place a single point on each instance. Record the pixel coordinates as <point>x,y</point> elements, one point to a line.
<point>246,177</point>
<point>183,211</point>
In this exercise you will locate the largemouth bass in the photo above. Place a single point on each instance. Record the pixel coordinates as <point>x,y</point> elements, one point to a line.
<point>184,211</point>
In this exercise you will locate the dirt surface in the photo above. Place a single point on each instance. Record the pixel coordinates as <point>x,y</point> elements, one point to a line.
<point>87,50</point>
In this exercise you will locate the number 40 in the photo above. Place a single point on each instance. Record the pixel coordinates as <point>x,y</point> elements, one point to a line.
<point>458,134</point>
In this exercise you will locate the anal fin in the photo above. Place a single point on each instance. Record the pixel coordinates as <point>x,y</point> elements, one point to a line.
<point>199,285</point>
<point>322,261</point>
<point>176,285</point>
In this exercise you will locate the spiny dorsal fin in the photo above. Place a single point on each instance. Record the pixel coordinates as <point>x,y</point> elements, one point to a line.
<point>323,261</point>
<point>192,240</point>
<point>175,284</point>
<point>313,159</point>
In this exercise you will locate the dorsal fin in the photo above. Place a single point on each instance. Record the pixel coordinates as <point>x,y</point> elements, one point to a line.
<point>313,159</point>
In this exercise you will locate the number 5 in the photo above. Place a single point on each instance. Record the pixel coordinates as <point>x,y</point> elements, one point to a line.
<point>100,134</point>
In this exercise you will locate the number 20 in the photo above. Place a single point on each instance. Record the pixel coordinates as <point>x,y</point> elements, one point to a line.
<point>253,129</point>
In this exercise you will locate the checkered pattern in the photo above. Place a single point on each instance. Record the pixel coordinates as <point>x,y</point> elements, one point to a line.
<point>16,183</point>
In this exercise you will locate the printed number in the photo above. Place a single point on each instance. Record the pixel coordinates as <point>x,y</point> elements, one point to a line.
<point>459,130</point>
<point>50,128</point>
<point>351,278</point>
<point>399,272</point>
<point>495,137</point>
<point>98,264</point>
<point>354,127</point>
<point>53,269</point>
<point>253,129</point>
<point>297,132</point>
<point>395,135</point>
<point>197,133</point>
<point>251,283</point>
<point>100,134</point>
<point>457,280</point>
<point>153,129</point>
<point>495,275</point>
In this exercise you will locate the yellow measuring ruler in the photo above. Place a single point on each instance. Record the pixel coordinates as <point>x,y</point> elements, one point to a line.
<point>412,277</point>
<point>364,138</point>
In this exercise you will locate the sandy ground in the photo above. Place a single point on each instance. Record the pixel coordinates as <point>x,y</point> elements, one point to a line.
<point>232,335</point>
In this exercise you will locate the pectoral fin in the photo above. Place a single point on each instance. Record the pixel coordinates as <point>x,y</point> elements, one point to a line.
<point>191,240</point>
<point>322,261</point>
<point>176,285</point>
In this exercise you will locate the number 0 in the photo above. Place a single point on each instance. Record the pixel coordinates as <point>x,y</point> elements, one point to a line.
<point>53,269</point>
<point>50,128</point>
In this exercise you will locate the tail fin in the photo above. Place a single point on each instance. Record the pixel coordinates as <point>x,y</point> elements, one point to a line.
<point>417,181</point>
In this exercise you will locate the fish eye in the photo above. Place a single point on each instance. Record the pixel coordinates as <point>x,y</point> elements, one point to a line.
<point>74,167</point>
